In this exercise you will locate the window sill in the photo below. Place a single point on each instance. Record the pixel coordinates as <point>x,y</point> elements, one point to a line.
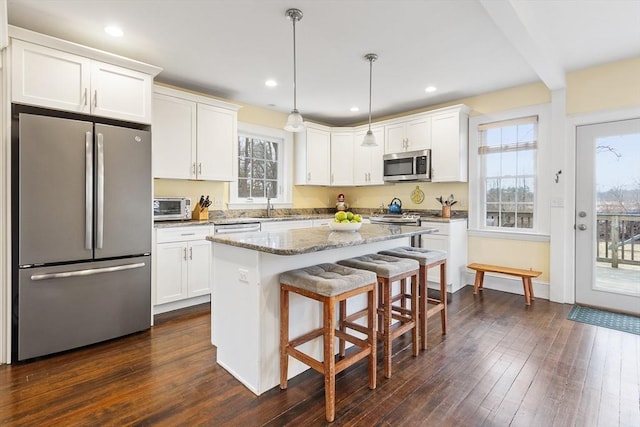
<point>510,235</point>
<point>258,205</point>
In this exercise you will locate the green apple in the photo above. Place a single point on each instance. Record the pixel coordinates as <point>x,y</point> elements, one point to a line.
<point>357,218</point>
<point>342,215</point>
<point>345,221</point>
<point>349,216</point>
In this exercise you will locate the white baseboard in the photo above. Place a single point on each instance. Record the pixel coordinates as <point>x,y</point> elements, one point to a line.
<point>177,305</point>
<point>512,285</point>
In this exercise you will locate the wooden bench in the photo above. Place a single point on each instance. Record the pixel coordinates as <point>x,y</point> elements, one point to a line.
<point>526,276</point>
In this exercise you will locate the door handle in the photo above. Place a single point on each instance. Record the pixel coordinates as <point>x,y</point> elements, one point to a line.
<point>191,253</point>
<point>88,190</point>
<point>582,227</point>
<point>100,191</point>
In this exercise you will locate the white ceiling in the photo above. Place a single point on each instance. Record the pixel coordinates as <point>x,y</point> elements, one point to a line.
<point>228,48</point>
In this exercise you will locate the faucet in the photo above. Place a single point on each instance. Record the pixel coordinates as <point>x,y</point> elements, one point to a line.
<point>269,205</point>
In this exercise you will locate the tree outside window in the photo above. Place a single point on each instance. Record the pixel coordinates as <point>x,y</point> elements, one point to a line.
<point>257,167</point>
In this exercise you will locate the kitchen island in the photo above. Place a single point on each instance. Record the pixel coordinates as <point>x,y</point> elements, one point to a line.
<point>245,296</point>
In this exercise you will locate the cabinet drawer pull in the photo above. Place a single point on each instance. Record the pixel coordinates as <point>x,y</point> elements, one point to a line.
<point>191,253</point>
<point>184,253</point>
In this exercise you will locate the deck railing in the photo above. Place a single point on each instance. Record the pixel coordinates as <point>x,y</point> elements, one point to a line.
<point>618,239</point>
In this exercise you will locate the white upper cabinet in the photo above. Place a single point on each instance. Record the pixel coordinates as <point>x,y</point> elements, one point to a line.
<point>56,79</point>
<point>194,137</point>
<point>174,137</point>
<point>120,93</point>
<point>342,160</point>
<point>313,155</point>
<point>217,137</point>
<point>449,145</point>
<point>367,161</point>
<point>408,135</point>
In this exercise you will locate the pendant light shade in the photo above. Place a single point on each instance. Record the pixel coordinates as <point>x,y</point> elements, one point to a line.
<point>295,122</point>
<point>370,139</point>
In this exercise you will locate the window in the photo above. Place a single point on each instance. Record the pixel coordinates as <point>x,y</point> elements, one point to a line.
<point>507,151</point>
<point>262,170</point>
<point>257,167</point>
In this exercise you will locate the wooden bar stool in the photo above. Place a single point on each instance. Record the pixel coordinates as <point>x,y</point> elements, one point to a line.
<point>428,258</point>
<point>329,284</point>
<point>388,270</point>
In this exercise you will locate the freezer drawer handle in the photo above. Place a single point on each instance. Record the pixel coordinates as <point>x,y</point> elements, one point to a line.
<point>89,272</point>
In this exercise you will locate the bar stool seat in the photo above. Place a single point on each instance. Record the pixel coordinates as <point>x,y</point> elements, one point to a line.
<point>388,270</point>
<point>428,258</point>
<point>329,284</point>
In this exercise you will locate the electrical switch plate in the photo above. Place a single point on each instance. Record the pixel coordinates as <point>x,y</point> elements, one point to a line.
<point>243,275</point>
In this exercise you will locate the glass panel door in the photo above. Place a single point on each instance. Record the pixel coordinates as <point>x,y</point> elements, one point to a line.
<point>608,215</point>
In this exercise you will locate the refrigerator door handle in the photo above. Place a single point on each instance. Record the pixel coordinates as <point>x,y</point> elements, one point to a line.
<point>100,194</point>
<point>88,191</point>
<point>88,272</point>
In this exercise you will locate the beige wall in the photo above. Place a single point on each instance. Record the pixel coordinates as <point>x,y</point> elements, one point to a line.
<point>605,87</point>
<point>511,253</point>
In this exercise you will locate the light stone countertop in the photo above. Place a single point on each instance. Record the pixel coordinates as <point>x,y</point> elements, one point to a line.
<point>306,240</point>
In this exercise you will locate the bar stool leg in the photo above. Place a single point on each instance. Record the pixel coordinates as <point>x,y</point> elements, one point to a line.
<point>329,359</point>
<point>385,289</point>
<point>415,314</point>
<point>284,338</point>
<point>372,338</point>
<point>443,296</point>
<point>422,281</point>
<point>342,316</point>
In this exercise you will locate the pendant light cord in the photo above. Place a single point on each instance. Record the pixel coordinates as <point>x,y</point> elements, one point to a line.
<point>370,86</point>
<point>294,19</point>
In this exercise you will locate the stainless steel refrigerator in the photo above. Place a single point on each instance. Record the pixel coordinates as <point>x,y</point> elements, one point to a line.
<point>81,233</point>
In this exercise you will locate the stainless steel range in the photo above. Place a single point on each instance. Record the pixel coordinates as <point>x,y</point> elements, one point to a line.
<point>399,219</point>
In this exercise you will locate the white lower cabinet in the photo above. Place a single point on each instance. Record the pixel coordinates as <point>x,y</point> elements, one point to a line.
<point>182,263</point>
<point>452,238</point>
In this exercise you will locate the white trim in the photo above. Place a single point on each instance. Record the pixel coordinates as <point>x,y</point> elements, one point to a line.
<point>5,213</point>
<point>285,163</point>
<point>541,217</point>
<point>573,121</point>
<point>509,235</point>
<point>85,51</point>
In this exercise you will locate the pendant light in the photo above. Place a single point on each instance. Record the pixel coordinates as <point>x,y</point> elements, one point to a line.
<point>370,139</point>
<point>294,121</point>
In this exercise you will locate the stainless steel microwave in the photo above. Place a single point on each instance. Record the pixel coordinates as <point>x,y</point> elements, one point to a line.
<point>407,166</point>
<point>171,208</point>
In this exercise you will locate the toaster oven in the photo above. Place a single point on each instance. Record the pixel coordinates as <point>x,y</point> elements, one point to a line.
<point>171,208</point>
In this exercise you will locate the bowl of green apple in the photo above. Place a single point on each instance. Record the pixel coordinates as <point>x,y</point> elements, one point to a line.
<point>346,221</point>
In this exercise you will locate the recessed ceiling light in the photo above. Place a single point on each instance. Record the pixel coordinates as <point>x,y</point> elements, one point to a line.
<point>354,109</point>
<point>430,89</point>
<point>271,83</point>
<point>114,31</point>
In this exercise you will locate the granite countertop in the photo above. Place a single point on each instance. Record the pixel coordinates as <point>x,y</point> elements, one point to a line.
<point>305,240</point>
<point>240,219</point>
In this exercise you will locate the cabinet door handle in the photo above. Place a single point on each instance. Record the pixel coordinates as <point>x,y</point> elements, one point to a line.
<point>308,176</point>
<point>184,253</point>
<point>199,168</point>
<point>191,253</point>
<point>85,96</point>
<point>193,168</point>
<point>95,98</point>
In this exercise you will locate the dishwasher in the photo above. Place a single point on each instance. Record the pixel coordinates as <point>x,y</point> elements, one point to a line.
<point>245,227</point>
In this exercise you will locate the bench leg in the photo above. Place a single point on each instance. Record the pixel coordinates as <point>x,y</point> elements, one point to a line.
<point>477,285</point>
<point>443,296</point>
<point>531,296</point>
<point>527,295</point>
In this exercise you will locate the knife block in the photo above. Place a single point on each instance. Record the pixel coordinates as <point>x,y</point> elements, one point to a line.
<point>201,214</point>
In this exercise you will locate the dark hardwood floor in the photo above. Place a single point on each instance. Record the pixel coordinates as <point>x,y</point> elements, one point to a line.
<point>501,363</point>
